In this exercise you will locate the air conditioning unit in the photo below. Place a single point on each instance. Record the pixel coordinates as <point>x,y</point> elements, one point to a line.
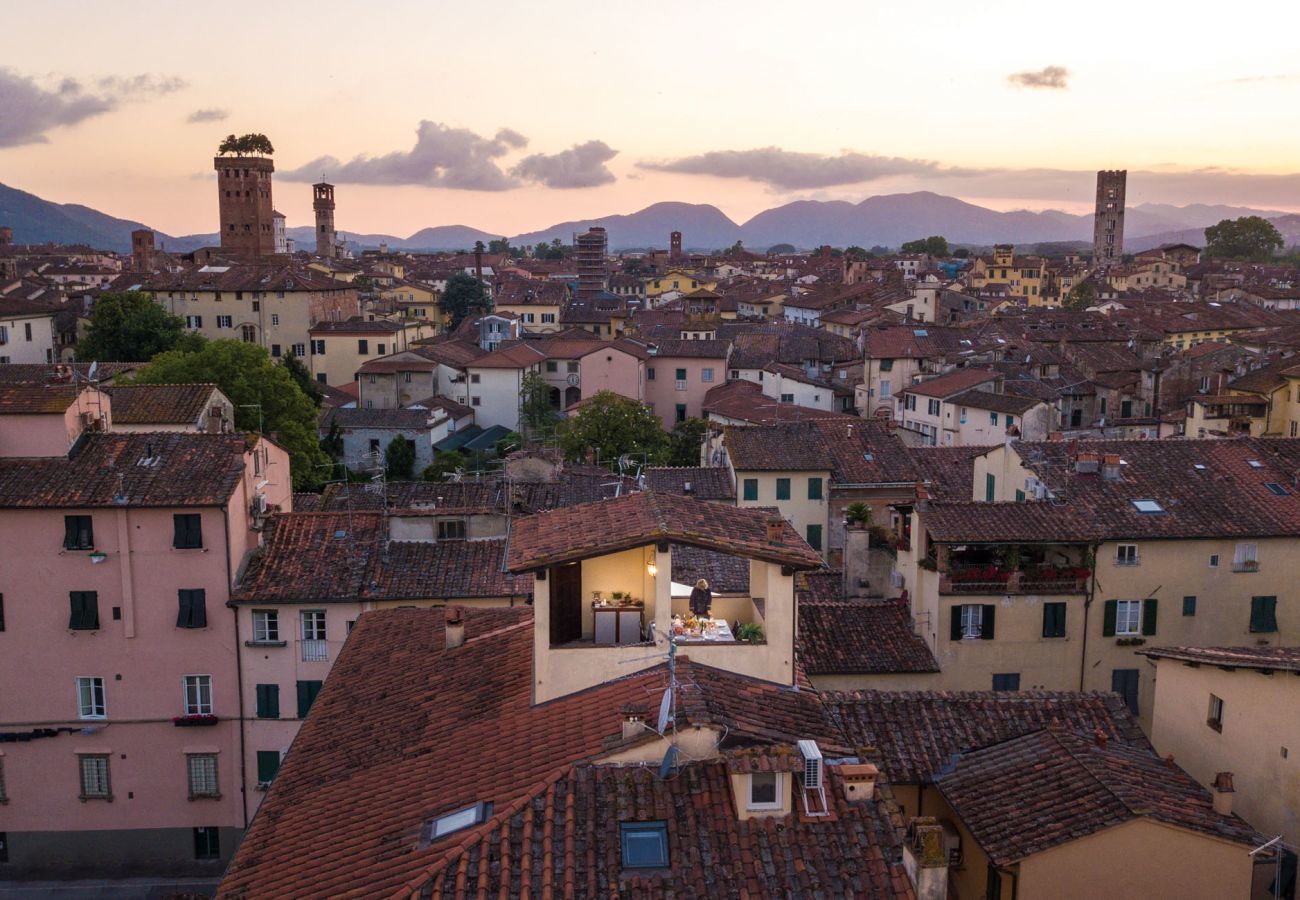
<point>812,764</point>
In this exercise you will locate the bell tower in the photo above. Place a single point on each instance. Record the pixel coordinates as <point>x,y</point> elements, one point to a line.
<point>1108,224</point>
<point>323,203</point>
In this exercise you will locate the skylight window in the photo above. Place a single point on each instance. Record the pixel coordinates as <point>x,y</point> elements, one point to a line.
<point>456,821</point>
<point>644,844</point>
<point>1276,488</point>
<point>1148,506</point>
<point>920,332</point>
<point>1255,464</point>
<point>1200,467</point>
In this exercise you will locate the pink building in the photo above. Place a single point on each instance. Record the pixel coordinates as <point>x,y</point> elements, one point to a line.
<point>678,375</point>
<point>119,659</point>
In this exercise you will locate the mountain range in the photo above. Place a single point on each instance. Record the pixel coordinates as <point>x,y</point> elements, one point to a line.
<point>886,220</point>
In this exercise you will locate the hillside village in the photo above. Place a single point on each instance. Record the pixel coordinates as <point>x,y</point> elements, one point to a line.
<point>939,572</point>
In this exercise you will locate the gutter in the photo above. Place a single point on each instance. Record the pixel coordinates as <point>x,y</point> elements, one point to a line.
<point>239,680</point>
<point>1087,606</point>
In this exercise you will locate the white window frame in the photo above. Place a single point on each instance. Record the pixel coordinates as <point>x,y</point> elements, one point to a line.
<point>778,797</point>
<point>972,621</point>
<point>91,706</point>
<point>1245,557</point>
<point>94,779</point>
<point>1128,618</point>
<point>1126,559</point>
<point>196,692</point>
<point>201,775</point>
<point>315,631</point>
<point>1215,716</point>
<point>266,625</point>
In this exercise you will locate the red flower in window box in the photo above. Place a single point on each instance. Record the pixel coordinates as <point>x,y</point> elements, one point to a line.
<point>196,721</point>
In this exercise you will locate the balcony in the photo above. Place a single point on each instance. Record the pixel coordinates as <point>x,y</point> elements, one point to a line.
<point>992,579</point>
<point>314,650</point>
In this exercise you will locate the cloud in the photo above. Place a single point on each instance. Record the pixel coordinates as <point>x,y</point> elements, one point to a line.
<point>442,157</point>
<point>581,166</point>
<point>513,138</point>
<point>31,110</point>
<point>792,171</point>
<point>1053,78</point>
<point>207,115</point>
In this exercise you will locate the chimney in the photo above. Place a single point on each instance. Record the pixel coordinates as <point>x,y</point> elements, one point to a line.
<point>859,781</point>
<point>1110,467</point>
<point>454,618</point>
<point>633,721</point>
<point>925,857</point>
<point>774,530</point>
<point>1223,790</point>
<point>478,263</point>
<point>1085,464</point>
<point>1101,738</point>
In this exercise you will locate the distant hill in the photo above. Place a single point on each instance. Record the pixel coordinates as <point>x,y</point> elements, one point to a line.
<point>887,220</point>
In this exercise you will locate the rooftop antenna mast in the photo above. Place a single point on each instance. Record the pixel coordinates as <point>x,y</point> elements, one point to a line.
<point>667,707</point>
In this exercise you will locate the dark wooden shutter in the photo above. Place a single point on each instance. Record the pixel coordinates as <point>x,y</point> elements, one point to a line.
<point>178,531</point>
<point>198,608</point>
<point>956,624</point>
<point>986,622</point>
<point>183,614</point>
<point>85,610</point>
<point>1108,618</point>
<point>1149,616</point>
<point>1263,614</point>
<point>268,701</point>
<point>1054,619</point>
<point>307,691</point>
<point>268,763</point>
<point>2,612</point>
<point>70,536</point>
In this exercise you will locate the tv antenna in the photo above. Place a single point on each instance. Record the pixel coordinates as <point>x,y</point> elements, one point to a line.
<point>667,708</point>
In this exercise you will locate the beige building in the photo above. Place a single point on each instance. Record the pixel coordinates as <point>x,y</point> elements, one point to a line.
<point>1233,709</point>
<point>339,349</point>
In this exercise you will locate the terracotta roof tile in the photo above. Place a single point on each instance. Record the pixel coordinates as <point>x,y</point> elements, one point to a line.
<point>33,399</point>
<point>854,637</point>
<point>160,404</point>
<point>743,400</point>
<point>706,483</point>
<point>1281,659</point>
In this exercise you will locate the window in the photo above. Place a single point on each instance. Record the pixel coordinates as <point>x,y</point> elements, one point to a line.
<point>644,845</point>
<point>193,321</point>
<point>451,530</point>
<point>187,531</point>
<point>571,367</point>
<point>1214,560</point>
<point>475,378</point>
<point>2,612</point>
<point>1053,620</point>
<point>275,351</point>
<point>90,697</point>
<point>961,417</point>
<point>275,318</point>
<point>706,375</point>
<point>85,610</point>
<point>765,790</point>
<point>1189,606</point>
<point>783,489</point>
<point>749,489</point>
<point>268,763</point>
<point>971,621</point>
<point>94,777</point>
<point>307,691</point>
<point>990,487</point>
<point>650,373</point>
<point>1245,559</point>
<point>1263,615</point>
<point>1151,507</point>
<point>1007,681</point>
<point>193,611</point>
<point>815,537</point>
<point>681,412</point>
<point>198,695</point>
<point>207,842</point>
<point>248,334</point>
<point>993,418</point>
<point>932,407</point>
<point>317,347</point>
<point>814,488</point>
<point>475,401</point>
<point>1215,717</point>
<point>547,318</point>
<point>885,388</point>
<point>224,322</point>
<point>787,398</point>
<point>552,366</point>
<point>1126,555</point>
<point>266,626</point>
<point>300,350</point>
<point>268,701</point>
<point>203,776</point>
<point>363,346</point>
<point>1128,617</point>
<point>78,533</point>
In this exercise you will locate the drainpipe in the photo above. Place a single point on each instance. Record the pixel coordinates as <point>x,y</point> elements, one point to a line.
<point>239,679</point>
<point>1087,606</point>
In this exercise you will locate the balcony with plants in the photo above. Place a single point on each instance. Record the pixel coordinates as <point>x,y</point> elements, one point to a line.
<point>1012,569</point>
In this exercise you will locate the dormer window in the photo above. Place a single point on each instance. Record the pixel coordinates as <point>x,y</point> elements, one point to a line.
<point>456,821</point>
<point>765,790</point>
<point>644,845</point>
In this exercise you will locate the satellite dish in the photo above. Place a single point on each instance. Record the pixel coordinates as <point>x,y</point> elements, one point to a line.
<point>670,761</point>
<point>665,706</point>
<point>90,374</point>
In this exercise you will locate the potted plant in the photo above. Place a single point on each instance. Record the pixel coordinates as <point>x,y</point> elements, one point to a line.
<point>929,564</point>
<point>750,631</point>
<point>857,515</point>
<point>98,556</point>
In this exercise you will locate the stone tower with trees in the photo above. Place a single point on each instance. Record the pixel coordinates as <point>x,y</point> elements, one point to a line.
<point>244,168</point>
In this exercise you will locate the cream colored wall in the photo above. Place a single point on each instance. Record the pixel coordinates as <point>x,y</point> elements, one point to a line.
<point>1141,858</point>
<point>1260,723</point>
<point>769,661</point>
<point>625,572</point>
<point>740,797</point>
<point>1008,470</point>
<point>695,742</point>
<point>799,510</point>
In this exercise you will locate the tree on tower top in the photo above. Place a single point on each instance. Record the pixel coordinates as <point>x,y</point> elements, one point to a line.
<point>246,145</point>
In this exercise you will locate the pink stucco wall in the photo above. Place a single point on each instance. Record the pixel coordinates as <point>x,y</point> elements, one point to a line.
<point>52,434</point>
<point>610,369</point>
<point>662,393</point>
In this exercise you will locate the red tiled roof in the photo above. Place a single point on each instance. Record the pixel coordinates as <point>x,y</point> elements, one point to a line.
<point>33,399</point>
<point>841,446</point>
<point>1265,659</point>
<point>347,810</point>
<point>918,732</point>
<point>712,483</point>
<point>954,382</point>
<point>743,400</point>
<point>851,637</point>
<point>634,520</point>
<point>1043,789</point>
<point>159,404</point>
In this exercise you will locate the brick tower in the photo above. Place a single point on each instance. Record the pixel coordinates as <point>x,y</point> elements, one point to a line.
<point>6,235</point>
<point>1108,225</point>
<point>244,198</point>
<point>675,246</point>
<point>323,203</point>
<point>593,273</point>
<point>142,250</point>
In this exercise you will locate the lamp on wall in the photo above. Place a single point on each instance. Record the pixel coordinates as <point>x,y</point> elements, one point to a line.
<point>651,569</point>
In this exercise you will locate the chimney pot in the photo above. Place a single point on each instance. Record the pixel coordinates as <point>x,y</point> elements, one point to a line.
<point>1223,790</point>
<point>455,625</point>
<point>774,530</point>
<point>1101,738</point>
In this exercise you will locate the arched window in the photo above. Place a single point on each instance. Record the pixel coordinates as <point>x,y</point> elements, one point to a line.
<point>248,333</point>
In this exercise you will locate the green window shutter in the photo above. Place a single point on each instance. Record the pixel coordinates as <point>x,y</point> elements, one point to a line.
<point>85,610</point>
<point>1149,616</point>
<point>1189,606</point>
<point>783,489</point>
<point>307,691</point>
<point>1053,620</point>
<point>990,486</point>
<point>198,608</point>
<point>1108,618</point>
<point>268,701</point>
<point>815,537</point>
<point>1263,614</point>
<point>751,489</point>
<point>814,488</point>
<point>183,614</point>
<point>268,763</point>
<point>681,374</point>
<point>956,624</point>
<point>986,622</point>
<point>1020,496</point>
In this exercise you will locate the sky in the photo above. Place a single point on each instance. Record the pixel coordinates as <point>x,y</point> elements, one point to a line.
<point>516,116</point>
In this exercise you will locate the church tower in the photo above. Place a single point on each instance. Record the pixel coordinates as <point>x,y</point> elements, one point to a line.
<point>323,203</point>
<point>1108,224</point>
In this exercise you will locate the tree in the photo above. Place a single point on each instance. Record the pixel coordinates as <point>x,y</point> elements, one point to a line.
<point>935,245</point>
<point>399,459</point>
<point>446,462</point>
<point>685,441</point>
<point>264,394</point>
<point>780,248</point>
<point>132,327</point>
<point>246,145</point>
<point>508,443</point>
<point>463,296</point>
<point>610,425</point>
<point>961,253</point>
<point>536,414</point>
<point>298,372</point>
<point>1250,238</point>
<point>856,252</point>
<point>500,246</point>
<point>1081,296</point>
